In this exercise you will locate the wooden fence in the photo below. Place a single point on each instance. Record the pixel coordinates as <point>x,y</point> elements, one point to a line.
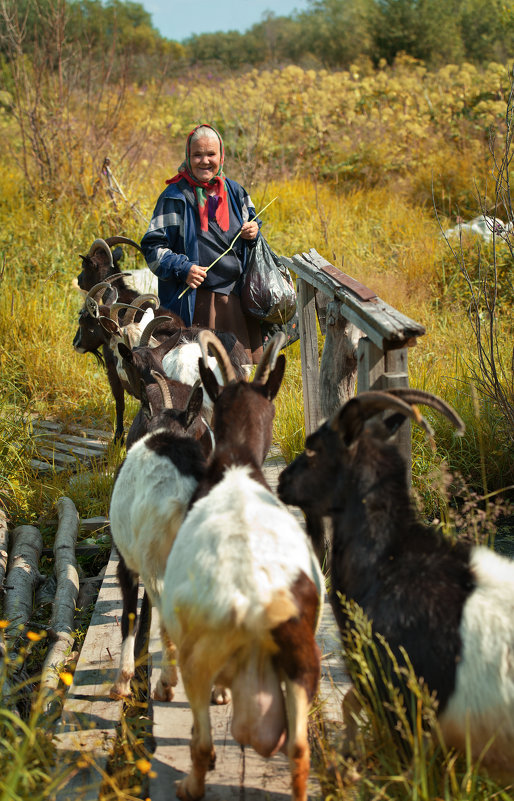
<point>366,340</point>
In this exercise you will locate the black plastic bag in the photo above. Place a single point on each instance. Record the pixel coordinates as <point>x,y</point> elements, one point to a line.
<point>268,291</point>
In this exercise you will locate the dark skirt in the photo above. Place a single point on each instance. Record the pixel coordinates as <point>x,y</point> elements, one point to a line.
<point>223,312</point>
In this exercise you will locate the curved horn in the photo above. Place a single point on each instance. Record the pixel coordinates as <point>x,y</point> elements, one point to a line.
<point>102,244</point>
<point>165,390</point>
<point>115,310</point>
<point>135,306</point>
<point>157,322</point>
<point>115,276</point>
<point>208,341</point>
<point>121,240</point>
<point>371,403</point>
<point>98,290</point>
<point>269,357</point>
<point>427,399</point>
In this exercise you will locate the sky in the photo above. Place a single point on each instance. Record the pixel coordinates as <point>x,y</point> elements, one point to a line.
<point>178,19</point>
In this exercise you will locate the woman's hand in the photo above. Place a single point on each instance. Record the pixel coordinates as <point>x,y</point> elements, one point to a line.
<point>249,230</point>
<point>196,276</point>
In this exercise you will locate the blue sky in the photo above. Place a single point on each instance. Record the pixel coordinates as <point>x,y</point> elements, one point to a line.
<point>178,19</point>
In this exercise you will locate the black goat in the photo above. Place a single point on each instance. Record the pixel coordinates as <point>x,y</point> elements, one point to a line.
<point>450,607</point>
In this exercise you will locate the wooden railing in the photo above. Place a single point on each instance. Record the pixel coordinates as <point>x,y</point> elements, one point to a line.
<point>366,340</point>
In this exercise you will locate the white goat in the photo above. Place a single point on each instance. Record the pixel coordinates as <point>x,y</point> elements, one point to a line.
<point>243,589</point>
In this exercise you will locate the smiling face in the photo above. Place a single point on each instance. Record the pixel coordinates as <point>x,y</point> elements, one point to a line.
<point>205,158</point>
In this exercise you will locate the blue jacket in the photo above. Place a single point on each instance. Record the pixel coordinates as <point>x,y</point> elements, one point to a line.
<point>170,246</point>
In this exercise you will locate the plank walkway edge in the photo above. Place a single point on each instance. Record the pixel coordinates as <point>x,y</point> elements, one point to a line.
<point>88,728</point>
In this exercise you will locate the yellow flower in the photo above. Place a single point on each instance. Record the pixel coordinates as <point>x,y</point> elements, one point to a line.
<point>66,678</point>
<point>35,636</point>
<point>4,624</point>
<point>143,765</point>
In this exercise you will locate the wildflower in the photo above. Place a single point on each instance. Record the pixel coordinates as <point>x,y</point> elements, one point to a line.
<point>143,765</point>
<point>4,624</point>
<point>66,678</point>
<point>35,636</point>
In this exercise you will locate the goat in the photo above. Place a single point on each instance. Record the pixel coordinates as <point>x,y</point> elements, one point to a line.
<point>177,356</point>
<point>92,336</point>
<point>100,264</point>
<point>242,589</point>
<point>149,500</point>
<point>450,607</point>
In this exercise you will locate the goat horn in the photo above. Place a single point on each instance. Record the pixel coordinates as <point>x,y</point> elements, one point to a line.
<point>269,357</point>
<point>97,291</point>
<point>419,396</point>
<point>115,310</point>
<point>115,276</point>
<point>102,244</point>
<point>121,240</point>
<point>208,341</point>
<point>371,403</point>
<point>157,322</point>
<point>135,306</point>
<point>165,390</point>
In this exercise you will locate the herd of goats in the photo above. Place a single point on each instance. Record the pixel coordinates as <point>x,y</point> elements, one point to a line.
<point>236,579</point>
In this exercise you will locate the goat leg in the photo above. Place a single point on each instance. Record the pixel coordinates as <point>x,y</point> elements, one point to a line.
<point>129,584</point>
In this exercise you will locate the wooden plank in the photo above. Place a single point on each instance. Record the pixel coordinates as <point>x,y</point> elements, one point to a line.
<point>97,444</point>
<point>71,449</point>
<point>309,354</point>
<point>382,323</point>
<point>88,726</point>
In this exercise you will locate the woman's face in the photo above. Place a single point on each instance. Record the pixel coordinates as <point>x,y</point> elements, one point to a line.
<point>205,158</point>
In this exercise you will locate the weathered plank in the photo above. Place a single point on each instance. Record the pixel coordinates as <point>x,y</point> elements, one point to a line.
<point>87,729</point>
<point>382,323</point>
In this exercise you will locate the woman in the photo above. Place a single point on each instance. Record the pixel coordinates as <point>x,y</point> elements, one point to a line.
<point>195,220</point>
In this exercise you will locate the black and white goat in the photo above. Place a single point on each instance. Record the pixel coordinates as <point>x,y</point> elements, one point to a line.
<point>243,589</point>
<point>451,607</point>
<point>149,500</point>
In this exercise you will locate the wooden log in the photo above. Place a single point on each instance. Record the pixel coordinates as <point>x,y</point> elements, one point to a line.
<point>338,369</point>
<point>23,575</point>
<point>309,354</point>
<point>63,614</point>
<point>4,545</point>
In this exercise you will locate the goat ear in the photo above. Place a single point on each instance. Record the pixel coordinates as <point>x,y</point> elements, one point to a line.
<point>393,422</point>
<point>146,406</point>
<point>109,325</point>
<point>209,381</point>
<point>274,381</point>
<point>348,422</point>
<point>194,404</point>
<point>125,352</point>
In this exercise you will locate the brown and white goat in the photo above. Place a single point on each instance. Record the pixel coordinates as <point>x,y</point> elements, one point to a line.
<point>243,589</point>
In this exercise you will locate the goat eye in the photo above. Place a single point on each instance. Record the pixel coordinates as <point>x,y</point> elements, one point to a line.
<point>310,454</point>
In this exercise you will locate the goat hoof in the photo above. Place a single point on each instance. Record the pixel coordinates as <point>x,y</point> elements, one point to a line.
<point>118,691</point>
<point>163,692</point>
<point>182,792</point>
<point>220,695</point>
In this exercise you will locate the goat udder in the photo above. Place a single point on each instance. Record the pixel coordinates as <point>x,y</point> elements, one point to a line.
<point>259,717</point>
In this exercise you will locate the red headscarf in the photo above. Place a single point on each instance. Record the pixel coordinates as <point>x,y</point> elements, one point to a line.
<point>185,171</point>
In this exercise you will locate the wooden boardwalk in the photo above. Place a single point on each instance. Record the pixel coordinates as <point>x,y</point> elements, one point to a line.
<point>90,718</point>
